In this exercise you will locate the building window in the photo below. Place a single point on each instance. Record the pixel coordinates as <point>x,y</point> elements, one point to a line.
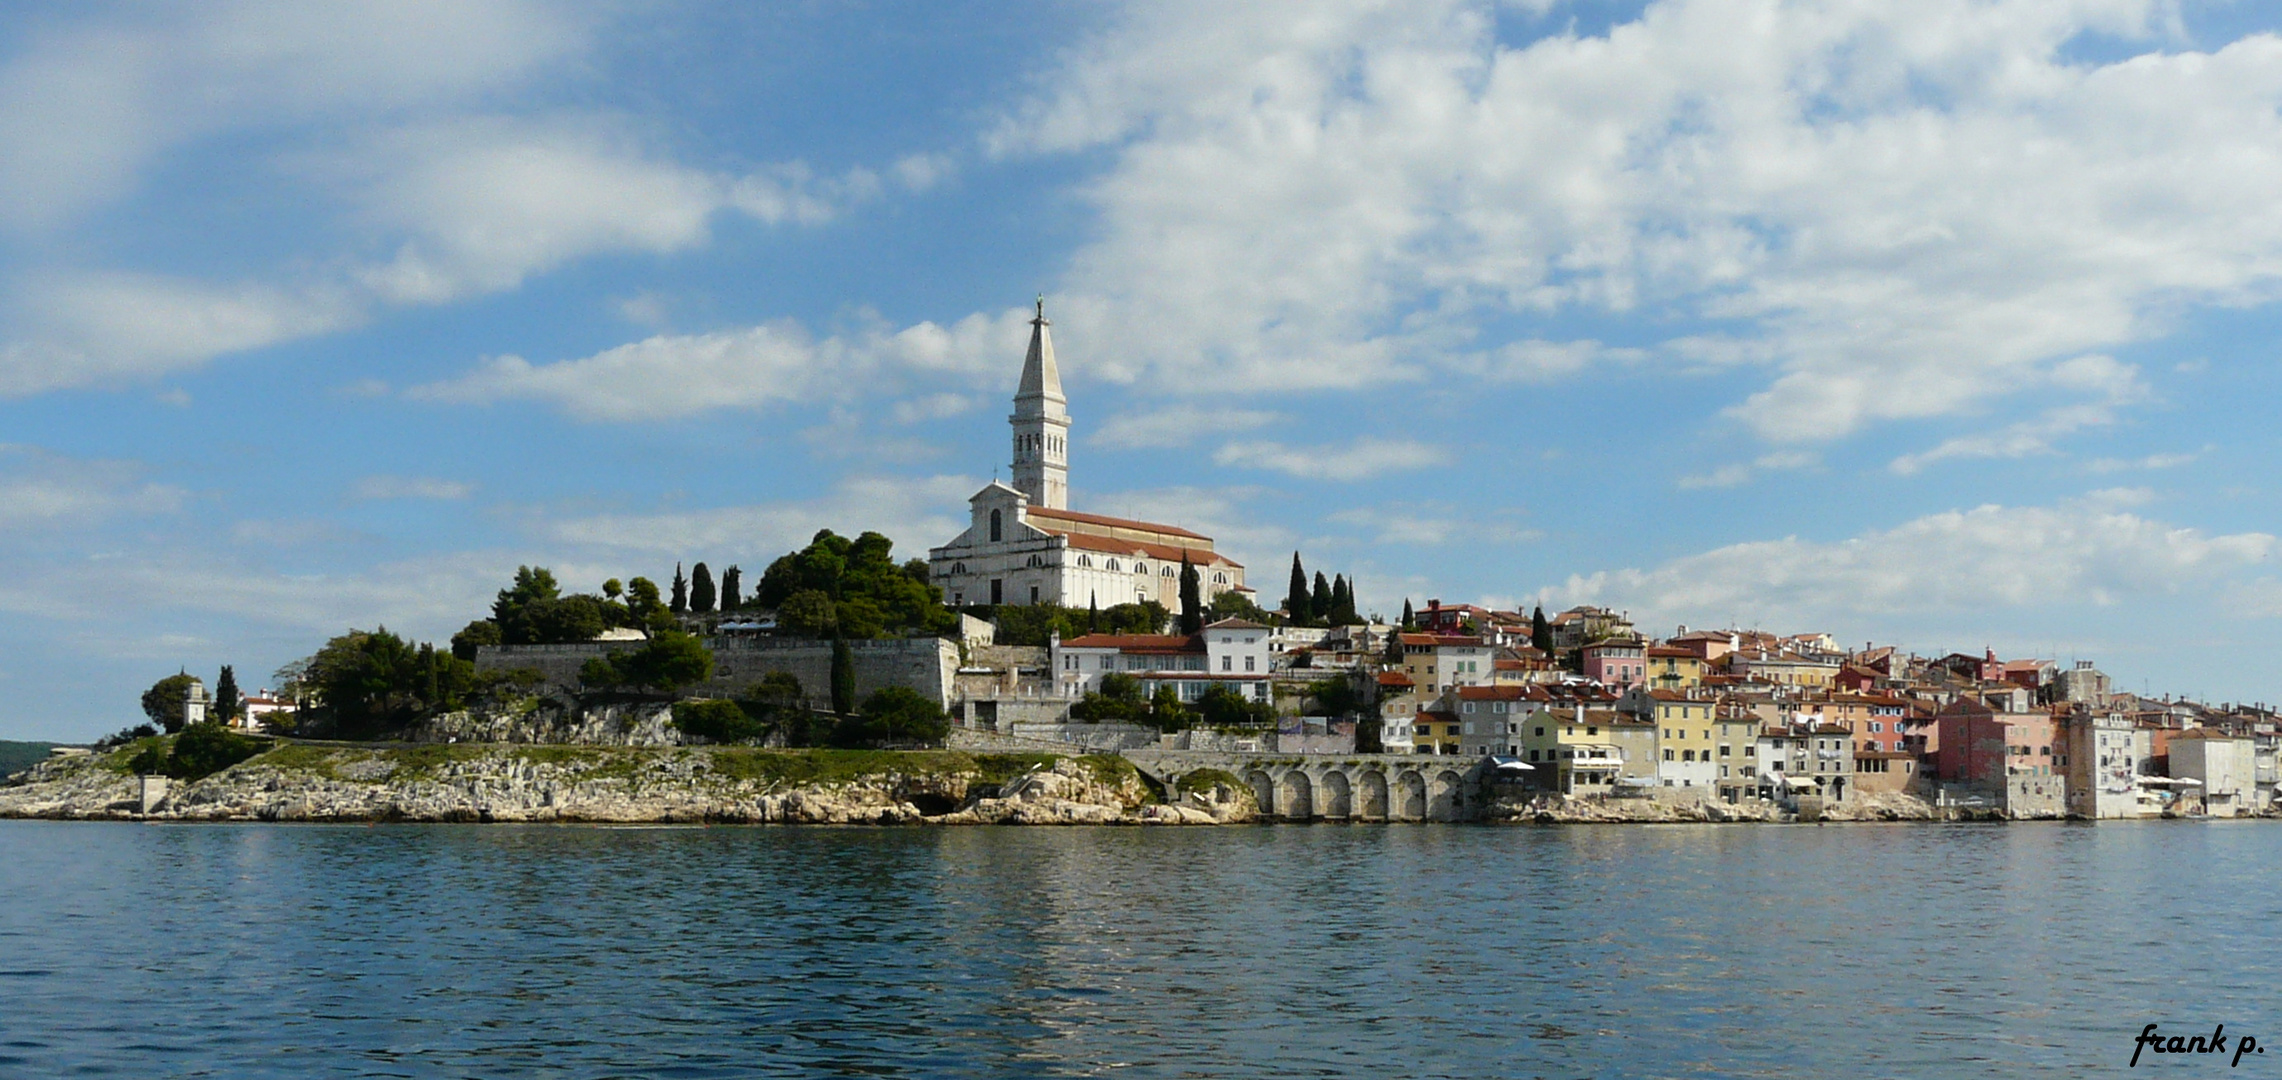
<point>1227,663</point>
<point>1248,662</point>
<point>1667,754</point>
<point>1140,568</point>
<point>1034,594</point>
<point>1112,564</point>
<point>1219,579</point>
<point>1085,561</point>
<point>997,589</point>
<point>1164,571</point>
<point>996,533</point>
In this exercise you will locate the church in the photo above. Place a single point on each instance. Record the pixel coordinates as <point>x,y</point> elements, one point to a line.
<point>1024,545</point>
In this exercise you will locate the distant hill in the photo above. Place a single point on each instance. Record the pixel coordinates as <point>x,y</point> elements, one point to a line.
<point>17,756</point>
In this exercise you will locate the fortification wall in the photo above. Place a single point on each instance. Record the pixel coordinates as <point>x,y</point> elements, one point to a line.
<point>926,665</point>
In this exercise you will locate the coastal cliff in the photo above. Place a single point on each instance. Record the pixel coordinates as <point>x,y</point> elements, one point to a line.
<point>522,783</point>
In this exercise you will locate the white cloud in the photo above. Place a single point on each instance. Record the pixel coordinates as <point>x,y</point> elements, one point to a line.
<point>916,513</point>
<point>1902,213</point>
<point>1360,459</point>
<point>1737,473</point>
<point>2091,549</point>
<point>2150,462</point>
<point>1177,426</point>
<point>412,487</point>
<point>2116,384</point>
<point>43,491</point>
<point>681,374</point>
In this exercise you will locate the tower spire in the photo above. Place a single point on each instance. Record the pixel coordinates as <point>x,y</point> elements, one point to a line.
<point>1041,421</point>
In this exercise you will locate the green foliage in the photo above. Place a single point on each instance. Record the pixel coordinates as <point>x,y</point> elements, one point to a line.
<point>793,768</point>
<point>1118,701</point>
<point>1192,604</point>
<point>1337,697</point>
<point>205,749</point>
<point>1409,617</point>
<point>1297,606</point>
<point>371,682</point>
<point>1343,611</point>
<point>533,611</point>
<point>1030,624</point>
<point>700,589</point>
<point>163,701</point>
<point>667,662</point>
<point>680,601</point>
<point>645,608</point>
<point>730,601</point>
<point>718,721</point>
<point>1222,707</point>
<point>1541,632</point>
<point>228,702</point>
<point>858,590</point>
<point>1167,713</point>
<point>474,636</point>
<point>895,714</point>
<point>1231,604</point>
<point>17,756</point>
<point>1202,781</point>
<point>843,677</point>
<point>1319,601</point>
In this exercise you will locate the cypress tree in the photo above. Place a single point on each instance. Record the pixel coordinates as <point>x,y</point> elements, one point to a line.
<point>1093,614</point>
<point>1541,632</point>
<point>226,695</point>
<point>680,601</point>
<point>700,589</point>
<point>1319,601</point>
<point>1342,602</point>
<point>843,677</point>
<point>1295,598</point>
<point>1409,618</point>
<point>1192,605</point>
<point>730,601</point>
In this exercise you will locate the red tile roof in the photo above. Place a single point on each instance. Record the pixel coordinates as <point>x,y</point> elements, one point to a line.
<point>1161,643</point>
<point>1159,552</point>
<point>1111,522</point>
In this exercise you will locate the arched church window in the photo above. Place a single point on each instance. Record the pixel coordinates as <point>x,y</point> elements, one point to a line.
<point>1085,560</point>
<point>1113,564</point>
<point>995,535</point>
<point>958,568</point>
<point>1220,579</point>
<point>1140,568</point>
<point>1036,562</point>
<point>1165,571</point>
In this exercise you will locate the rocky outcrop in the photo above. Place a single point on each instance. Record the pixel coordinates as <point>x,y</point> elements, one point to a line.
<point>545,720</point>
<point>461,782</point>
<point>1552,810</point>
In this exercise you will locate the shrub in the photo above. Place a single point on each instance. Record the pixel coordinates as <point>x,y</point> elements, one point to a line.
<point>718,721</point>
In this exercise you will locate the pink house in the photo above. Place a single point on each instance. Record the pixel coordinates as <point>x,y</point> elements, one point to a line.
<point>1621,663</point>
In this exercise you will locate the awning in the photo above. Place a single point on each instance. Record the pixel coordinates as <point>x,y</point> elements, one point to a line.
<point>1511,764</point>
<point>1798,782</point>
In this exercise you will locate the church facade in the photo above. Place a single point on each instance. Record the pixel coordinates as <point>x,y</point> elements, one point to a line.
<point>1023,545</point>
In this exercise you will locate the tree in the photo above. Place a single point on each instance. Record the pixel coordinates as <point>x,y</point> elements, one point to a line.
<point>667,662</point>
<point>872,595</point>
<point>1337,697</point>
<point>227,700</point>
<point>1319,601</point>
<point>808,613</point>
<point>1222,707</point>
<point>163,701</point>
<point>474,636</point>
<point>648,609</point>
<point>701,589</point>
<point>1296,602</point>
<point>718,721</point>
<point>201,750</point>
<point>613,589</point>
<point>1167,713</point>
<point>1541,632</point>
<point>1231,604</point>
<point>1093,615</point>
<point>1342,611</point>
<point>532,585</point>
<point>729,598</point>
<point>899,714</point>
<point>843,677</point>
<point>1118,700</point>
<point>372,682</point>
<point>1192,605</point>
<point>680,602</point>
<point>1409,618</point>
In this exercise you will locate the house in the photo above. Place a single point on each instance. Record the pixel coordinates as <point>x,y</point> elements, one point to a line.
<point>1672,668</point>
<point>1398,711</point>
<point>1434,732</point>
<point>1806,759</point>
<point>2222,763</point>
<point>1436,619</point>
<point>1783,668</point>
<point>1684,740</point>
<point>2107,755</point>
<point>1736,730</point>
<point>1231,653</point>
<point>1437,662</point>
<point>1619,663</point>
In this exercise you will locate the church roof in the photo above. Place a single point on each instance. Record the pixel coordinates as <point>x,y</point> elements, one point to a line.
<point>1041,377</point>
<point>1161,552</point>
<point>1111,522</point>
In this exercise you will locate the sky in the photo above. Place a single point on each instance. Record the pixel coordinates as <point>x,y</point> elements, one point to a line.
<point>1942,324</point>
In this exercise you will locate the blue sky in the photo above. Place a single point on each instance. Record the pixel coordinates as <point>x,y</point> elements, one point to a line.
<point>1942,323</point>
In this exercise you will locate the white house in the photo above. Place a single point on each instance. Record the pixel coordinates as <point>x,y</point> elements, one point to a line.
<point>1231,653</point>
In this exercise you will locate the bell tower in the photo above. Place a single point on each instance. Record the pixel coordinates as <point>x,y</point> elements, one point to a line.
<point>1041,423</point>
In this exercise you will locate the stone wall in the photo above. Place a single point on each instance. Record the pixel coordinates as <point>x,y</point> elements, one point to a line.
<point>926,665</point>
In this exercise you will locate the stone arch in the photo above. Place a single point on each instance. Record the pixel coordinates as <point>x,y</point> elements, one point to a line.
<point>1409,797</point>
<point>1372,805</point>
<point>1338,800</point>
<point>1263,792</point>
<point>1442,800</point>
<point>1298,797</point>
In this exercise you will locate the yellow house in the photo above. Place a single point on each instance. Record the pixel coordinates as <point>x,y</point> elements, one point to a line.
<point>1674,669</point>
<point>1579,744</point>
<point>1685,729</point>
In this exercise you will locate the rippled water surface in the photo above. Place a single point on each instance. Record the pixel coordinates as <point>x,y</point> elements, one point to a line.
<point>499,951</point>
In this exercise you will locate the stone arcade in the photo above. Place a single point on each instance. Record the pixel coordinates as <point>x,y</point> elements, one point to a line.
<point>1024,545</point>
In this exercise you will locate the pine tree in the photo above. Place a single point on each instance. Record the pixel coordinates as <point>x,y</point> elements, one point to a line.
<point>1192,605</point>
<point>1295,598</point>
<point>680,602</point>
<point>1319,601</point>
<point>1409,618</point>
<point>843,677</point>
<point>226,695</point>
<point>1541,632</point>
<point>700,589</point>
<point>729,598</point>
<point>1093,614</point>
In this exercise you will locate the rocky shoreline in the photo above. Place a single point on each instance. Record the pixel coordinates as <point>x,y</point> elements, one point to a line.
<point>526,783</point>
